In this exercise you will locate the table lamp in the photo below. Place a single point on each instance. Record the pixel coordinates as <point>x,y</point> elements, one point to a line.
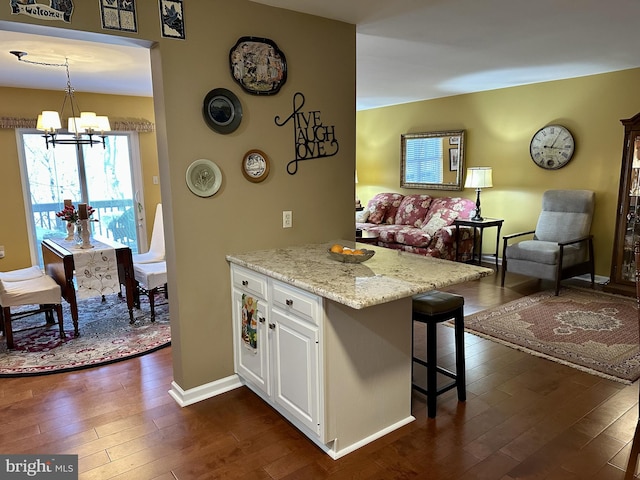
<point>478,178</point>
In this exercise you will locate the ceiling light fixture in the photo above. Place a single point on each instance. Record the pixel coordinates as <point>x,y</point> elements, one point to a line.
<point>82,126</point>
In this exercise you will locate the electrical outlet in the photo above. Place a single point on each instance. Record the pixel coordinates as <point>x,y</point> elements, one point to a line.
<point>287,219</point>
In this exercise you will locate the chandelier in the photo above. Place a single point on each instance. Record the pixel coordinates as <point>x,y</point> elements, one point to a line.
<point>81,126</point>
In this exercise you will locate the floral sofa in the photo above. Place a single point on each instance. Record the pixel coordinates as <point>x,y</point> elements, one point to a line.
<point>419,224</point>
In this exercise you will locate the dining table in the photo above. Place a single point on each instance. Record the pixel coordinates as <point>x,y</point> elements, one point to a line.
<point>87,272</point>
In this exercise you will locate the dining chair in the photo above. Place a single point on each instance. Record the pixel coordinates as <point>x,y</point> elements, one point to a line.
<point>21,274</point>
<point>156,246</point>
<point>22,288</point>
<point>151,279</point>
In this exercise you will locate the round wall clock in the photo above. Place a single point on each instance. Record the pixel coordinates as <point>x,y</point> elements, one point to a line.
<point>552,147</point>
<point>222,110</point>
<point>255,166</point>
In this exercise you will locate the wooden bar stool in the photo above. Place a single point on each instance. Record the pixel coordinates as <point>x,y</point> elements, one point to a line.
<point>432,308</point>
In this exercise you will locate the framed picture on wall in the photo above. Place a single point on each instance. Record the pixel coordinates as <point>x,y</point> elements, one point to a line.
<point>454,159</point>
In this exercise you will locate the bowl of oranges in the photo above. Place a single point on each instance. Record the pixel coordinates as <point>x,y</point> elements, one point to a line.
<point>350,255</point>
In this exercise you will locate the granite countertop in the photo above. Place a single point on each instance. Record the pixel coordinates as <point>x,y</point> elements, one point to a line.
<point>389,275</point>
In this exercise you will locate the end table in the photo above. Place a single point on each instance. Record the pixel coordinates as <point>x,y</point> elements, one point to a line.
<point>363,236</point>
<point>478,225</point>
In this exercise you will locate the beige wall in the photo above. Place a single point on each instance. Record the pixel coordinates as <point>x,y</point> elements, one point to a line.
<point>25,103</point>
<point>499,125</point>
<point>242,215</point>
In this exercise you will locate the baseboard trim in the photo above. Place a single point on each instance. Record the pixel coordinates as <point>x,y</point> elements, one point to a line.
<point>185,398</point>
<point>336,454</point>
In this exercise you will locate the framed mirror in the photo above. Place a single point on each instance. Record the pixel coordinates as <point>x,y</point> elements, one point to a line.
<point>432,160</point>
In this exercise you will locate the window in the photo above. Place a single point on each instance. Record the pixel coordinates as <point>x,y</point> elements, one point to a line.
<point>107,178</point>
<point>423,160</point>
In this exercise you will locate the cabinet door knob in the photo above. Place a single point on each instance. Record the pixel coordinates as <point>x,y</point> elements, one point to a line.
<point>272,326</point>
<point>245,283</point>
<point>289,302</point>
<point>261,319</point>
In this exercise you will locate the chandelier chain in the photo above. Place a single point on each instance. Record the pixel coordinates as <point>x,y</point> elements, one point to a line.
<point>94,126</point>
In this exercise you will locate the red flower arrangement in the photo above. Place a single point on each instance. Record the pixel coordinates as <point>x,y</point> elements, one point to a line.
<point>70,214</point>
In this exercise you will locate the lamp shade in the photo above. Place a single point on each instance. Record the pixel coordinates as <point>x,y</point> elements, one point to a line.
<point>74,125</point>
<point>88,121</point>
<point>478,177</point>
<point>49,121</point>
<point>103,124</point>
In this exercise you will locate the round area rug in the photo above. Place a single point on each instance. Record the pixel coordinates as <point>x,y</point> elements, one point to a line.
<point>105,336</point>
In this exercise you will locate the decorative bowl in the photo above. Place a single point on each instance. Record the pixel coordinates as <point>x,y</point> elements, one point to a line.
<point>352,258</point>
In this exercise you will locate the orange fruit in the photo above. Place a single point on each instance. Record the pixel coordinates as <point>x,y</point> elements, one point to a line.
<point>347,251</point>
<point>337,248</point>
<point>358,252</point>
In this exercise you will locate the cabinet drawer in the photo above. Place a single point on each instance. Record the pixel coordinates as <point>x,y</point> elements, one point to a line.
<point>296,301</point>
<point>249,281</point>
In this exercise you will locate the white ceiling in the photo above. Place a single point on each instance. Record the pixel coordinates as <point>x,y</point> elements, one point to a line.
<point>96,64</point>
<point>407,50</point>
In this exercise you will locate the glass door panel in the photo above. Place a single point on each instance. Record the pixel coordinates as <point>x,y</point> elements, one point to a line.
<point>632,218</point>
<point>110,191</point>
<point>100,177</point>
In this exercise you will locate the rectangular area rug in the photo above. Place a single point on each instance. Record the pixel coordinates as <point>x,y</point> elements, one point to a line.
<point>592,331</point>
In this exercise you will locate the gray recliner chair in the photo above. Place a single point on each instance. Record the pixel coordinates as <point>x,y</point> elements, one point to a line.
<point>562,246</point>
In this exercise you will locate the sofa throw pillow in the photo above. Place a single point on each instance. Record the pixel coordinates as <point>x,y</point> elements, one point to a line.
<point>362,216</point>
<point>383,207</point>
<point>443,212</point>
<point>413,210</point>
<point>435,223</point>
<point>393,200</point>
<point>376,212</point>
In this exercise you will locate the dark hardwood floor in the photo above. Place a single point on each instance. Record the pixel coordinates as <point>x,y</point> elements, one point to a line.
<point>524,418</point>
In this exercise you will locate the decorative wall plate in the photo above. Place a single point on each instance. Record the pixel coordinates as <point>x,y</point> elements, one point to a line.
<point>222,110</point>
<point>204,178</point>
<point>258,65</point>
<point>255,166</point>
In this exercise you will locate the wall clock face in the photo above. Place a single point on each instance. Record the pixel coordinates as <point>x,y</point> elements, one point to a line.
<point>255,166</point>
<point>552,147</point>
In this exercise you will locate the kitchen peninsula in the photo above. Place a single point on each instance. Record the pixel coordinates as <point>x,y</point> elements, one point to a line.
<point>328,344</point>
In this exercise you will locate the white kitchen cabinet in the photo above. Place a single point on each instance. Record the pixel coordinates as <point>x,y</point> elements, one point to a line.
<point>357,378</point>
<point>295,359</point>
<point>281,360</point>
<point>252,363</point>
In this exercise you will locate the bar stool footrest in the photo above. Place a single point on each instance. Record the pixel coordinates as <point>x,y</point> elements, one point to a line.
<point>439,391</point>
<point>441,370</point>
